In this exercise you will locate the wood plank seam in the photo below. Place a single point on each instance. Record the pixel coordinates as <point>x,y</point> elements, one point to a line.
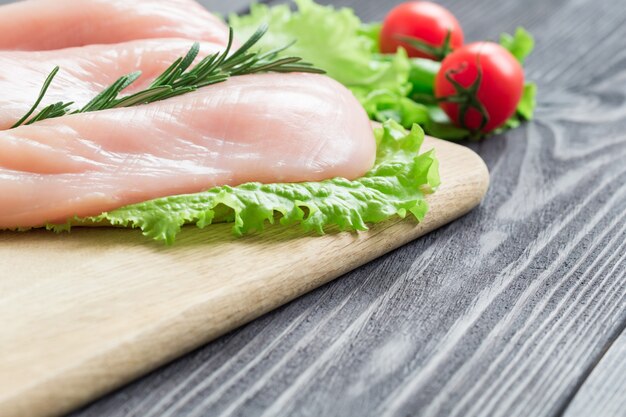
<point>589,370</point>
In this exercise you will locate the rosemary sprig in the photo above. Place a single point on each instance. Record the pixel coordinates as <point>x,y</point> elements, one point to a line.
<point>53,110</point>
<point>179,78</point>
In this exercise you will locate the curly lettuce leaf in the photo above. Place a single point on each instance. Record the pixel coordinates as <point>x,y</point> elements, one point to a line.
<point>383,105</point>
<point>332,39</point>
<point>526,106</point>
<point>372,31</point>
<point>395,186</point>
<point>520,45</point>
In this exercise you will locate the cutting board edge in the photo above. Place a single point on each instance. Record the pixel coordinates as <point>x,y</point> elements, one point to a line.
<point>40,395</point>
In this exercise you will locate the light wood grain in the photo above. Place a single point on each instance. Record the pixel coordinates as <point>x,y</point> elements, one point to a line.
<point>85,312</point>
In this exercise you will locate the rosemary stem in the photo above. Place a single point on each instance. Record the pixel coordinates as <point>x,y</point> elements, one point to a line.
<point>180,77</point>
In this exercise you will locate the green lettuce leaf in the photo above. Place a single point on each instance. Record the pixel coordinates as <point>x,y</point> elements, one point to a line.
<point>332,39</point>
<point>520,45</point>
<point>395,186</point>
<point>422,77</point>
<point>526,107</point>
<point>384,104</point>
<point>372,31</point>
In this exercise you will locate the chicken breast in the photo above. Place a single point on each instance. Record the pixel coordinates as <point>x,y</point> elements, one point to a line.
<point>257,128</point>
<point>37,25</point>
<point>84,73</point>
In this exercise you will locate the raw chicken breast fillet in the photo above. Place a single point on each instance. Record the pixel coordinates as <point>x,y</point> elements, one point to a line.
<point>84,72</point>
<point>38,25</point>
<point>266,128</point>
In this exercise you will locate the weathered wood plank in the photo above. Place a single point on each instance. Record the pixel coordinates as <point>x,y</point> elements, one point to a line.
<point>604,393</point>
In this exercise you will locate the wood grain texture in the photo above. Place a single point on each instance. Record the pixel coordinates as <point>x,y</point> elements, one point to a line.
<point>104,306</point>
<point>600,394</point>
<point>505,312</point>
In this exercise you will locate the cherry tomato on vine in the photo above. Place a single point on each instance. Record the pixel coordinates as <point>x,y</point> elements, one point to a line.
<point>479,86</point>
<point>432,29</point>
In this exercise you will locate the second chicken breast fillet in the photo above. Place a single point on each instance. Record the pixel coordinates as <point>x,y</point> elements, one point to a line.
<point>38,25</point>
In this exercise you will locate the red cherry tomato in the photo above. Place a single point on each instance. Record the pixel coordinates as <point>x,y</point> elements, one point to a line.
<point>489,85</point>
<point>426,22</point>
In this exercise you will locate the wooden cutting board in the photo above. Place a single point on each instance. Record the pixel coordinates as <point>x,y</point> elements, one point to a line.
<point>86,312</point>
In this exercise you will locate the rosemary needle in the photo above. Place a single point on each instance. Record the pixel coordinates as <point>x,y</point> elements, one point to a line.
<point>42,93</point>
<point>180,77</point>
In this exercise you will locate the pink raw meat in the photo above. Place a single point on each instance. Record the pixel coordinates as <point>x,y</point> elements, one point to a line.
<point>84,73</point>
<point>266,128</point>
<point>37,25</point>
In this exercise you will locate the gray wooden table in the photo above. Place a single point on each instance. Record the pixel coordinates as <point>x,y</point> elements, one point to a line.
<point>517,309</point>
